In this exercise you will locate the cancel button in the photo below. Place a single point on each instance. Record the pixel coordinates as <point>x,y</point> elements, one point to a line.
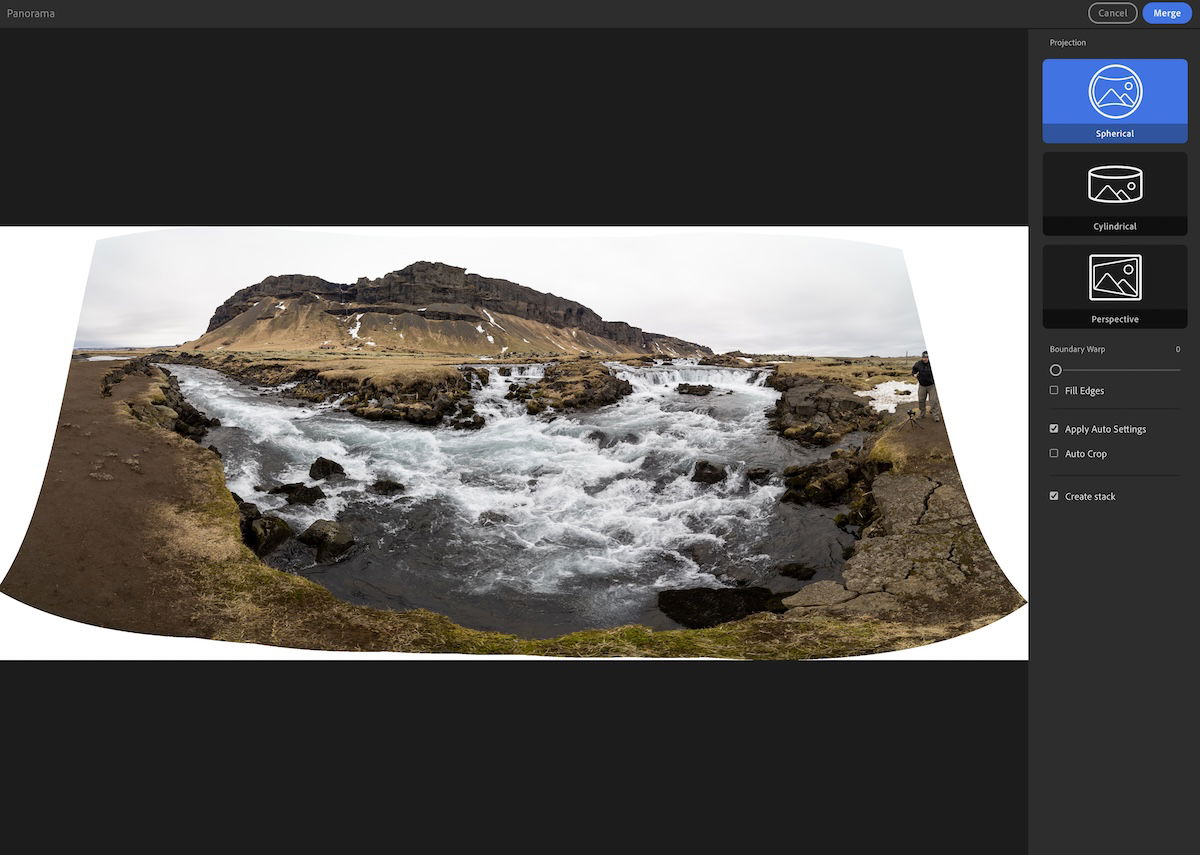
<point>1112,13</point>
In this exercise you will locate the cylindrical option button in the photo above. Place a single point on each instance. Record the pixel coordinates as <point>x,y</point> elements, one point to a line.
<point>1115,185</point>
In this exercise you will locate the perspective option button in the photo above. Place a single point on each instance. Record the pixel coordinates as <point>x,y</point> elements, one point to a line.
<point>1112,13</point>
<point>1167,13</point>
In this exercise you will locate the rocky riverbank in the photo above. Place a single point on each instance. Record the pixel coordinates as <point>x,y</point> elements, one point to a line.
<point>818,412</point>
<point>921,558</point>
<point>167,408</point>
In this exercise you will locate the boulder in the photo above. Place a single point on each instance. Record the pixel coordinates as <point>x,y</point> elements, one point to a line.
<point>262,534</point>
<point>690,389</point>
<point>266,534</point>
<point>491,518</point>
<point>386,487</point>
<point>708,473</point>
<point>299,493</point>
<point>758,475</point>
<point>323,468</point>
<point>823,483</point>
<point>706,553</point>
<point>795,570</point>
<point>696,608</point>
<point>825,593</point>
<point>331,539</point>
<point>818,412</point>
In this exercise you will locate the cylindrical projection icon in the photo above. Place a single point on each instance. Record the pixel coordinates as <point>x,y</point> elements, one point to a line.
<point>1115,185</point>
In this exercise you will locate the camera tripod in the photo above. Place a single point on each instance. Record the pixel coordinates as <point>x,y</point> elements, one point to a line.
<point>912,421</point>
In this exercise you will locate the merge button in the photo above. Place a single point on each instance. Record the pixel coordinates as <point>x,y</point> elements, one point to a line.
<point>1167,13</point>
<point>1113,13</point>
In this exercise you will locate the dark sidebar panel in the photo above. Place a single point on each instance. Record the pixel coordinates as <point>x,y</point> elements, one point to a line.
<point>1112,368</point>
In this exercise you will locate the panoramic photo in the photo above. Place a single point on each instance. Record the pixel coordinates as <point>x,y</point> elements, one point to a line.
<point>723,445</point>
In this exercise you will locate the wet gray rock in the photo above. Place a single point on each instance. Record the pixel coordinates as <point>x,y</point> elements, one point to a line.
<point>299,493</point>
<point>323,468</point>
<point>758,475</point>
<point>491,518</point>
<point>825,482</point>
<point>266,534</point>
<point>795,570</point>
<point>386,487</point>
<point>694,389</point>
<point>331,539</point>
<point>705,553</point>
<point>708,473</point>
<point>263,534</point>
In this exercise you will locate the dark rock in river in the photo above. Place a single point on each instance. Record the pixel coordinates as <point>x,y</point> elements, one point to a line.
<point>491,518</point>
<point>386,487</point>
<point>571,386</point>
<point>828,481</point>
<point>329,538</point>
<point>690,389</point>
<point>262,534</point>
<point>708,473</point>
<point>696,608</point>
<point>818,412</point>
<point>299,493</point>
<point>795,570</point>
<point>705,553</point>
<point>265,534</point>
<point>758,475</point>
<point>323,468</point>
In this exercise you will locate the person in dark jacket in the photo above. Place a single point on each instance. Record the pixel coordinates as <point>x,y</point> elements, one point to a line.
<point>925,388</point>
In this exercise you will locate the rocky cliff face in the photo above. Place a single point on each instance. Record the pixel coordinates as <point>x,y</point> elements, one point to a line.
<point>424,284</point>
<point>276,286</point>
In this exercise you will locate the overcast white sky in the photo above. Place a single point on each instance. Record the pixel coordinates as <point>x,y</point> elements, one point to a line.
<point>756,293</point>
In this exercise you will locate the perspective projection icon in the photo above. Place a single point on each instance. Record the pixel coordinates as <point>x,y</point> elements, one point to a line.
<point>1114,278</point>
<point>1115,185</point>
<point>1115,91</point>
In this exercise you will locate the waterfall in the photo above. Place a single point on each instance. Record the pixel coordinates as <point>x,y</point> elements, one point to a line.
<point>654,377</point>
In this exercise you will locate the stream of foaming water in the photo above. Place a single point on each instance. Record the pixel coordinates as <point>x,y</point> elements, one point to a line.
<point>531,525</point>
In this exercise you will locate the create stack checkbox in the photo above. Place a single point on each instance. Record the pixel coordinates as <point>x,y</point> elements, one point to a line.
<point>1054,495</point>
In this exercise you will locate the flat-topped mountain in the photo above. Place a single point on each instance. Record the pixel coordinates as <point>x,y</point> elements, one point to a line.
<point>426,307</point>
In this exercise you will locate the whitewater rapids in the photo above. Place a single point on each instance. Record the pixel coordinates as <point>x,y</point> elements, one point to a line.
<point>529,525</point>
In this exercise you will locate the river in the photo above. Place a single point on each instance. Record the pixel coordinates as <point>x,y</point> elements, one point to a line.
<point>529,525</point>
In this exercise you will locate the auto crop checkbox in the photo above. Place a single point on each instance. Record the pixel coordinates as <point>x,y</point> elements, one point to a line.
<point>1054,495</point>
<point>1054,452</point>
<point>1053,428</point>
<point>1053,390</point>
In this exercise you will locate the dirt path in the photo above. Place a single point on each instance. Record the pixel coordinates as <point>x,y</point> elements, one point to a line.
<point>84,555</point>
